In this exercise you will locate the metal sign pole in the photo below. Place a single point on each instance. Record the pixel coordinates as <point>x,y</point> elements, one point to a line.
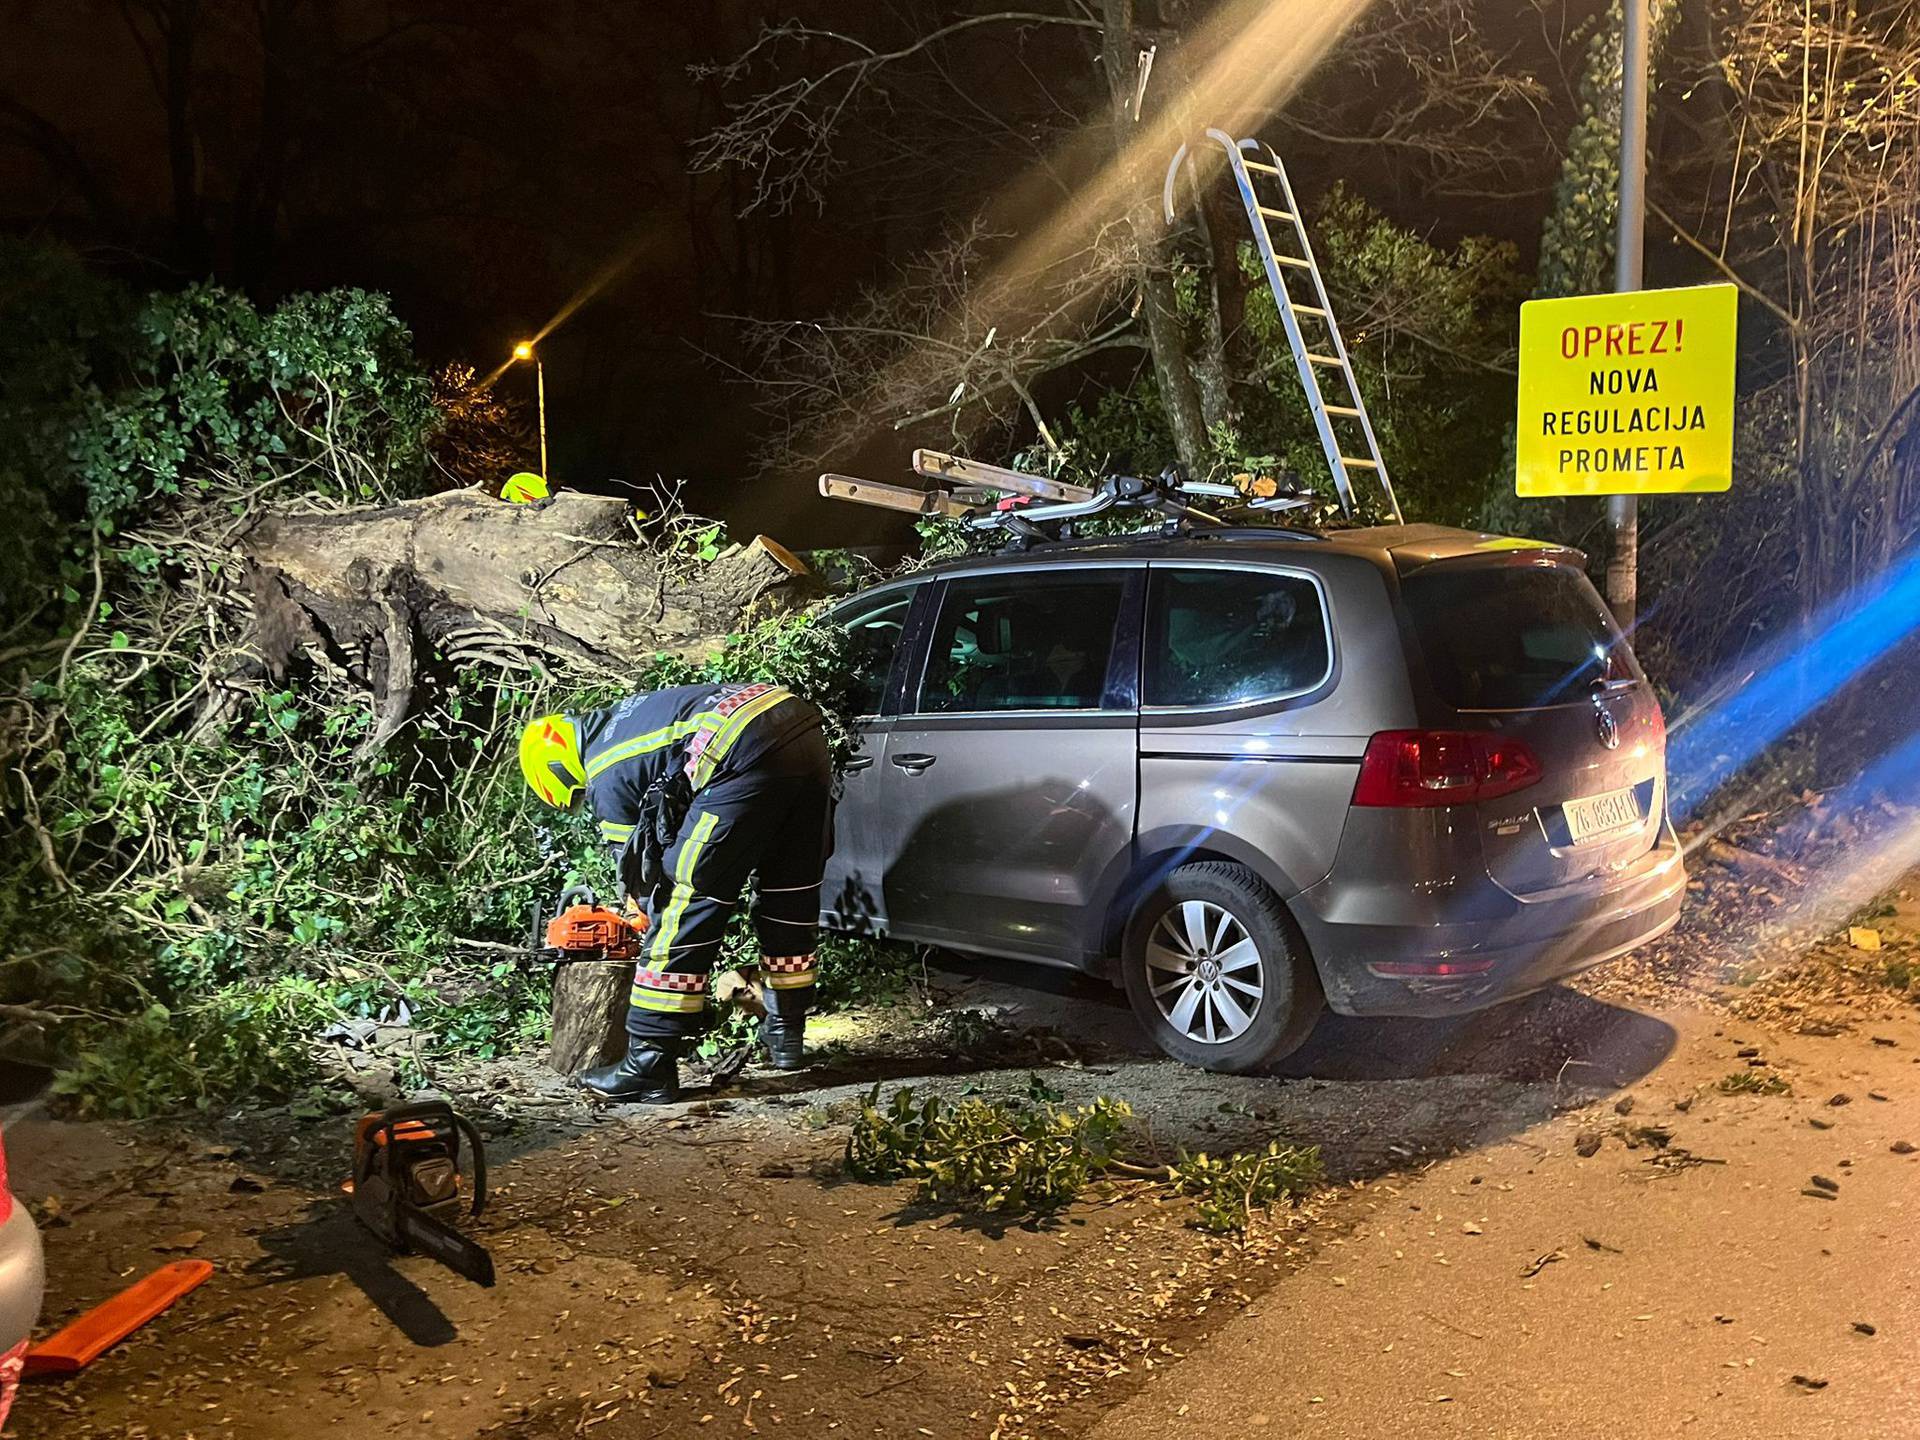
<point>540,381</point>
<point>1623,511</point>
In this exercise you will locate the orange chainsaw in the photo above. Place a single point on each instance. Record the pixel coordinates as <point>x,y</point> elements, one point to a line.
<point>407,1184</point>
<point>584,931</point>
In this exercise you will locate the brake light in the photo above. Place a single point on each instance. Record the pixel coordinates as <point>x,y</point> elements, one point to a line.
<point>1442,767</point>
<point>6,1195</point>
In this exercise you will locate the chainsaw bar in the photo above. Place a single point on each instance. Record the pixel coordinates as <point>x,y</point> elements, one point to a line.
<point>427,1236</point>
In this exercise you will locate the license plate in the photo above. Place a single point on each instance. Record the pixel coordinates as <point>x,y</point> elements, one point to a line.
<point>1599,815</point>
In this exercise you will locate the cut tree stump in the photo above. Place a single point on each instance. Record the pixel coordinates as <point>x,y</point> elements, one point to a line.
<point>589,1016</point>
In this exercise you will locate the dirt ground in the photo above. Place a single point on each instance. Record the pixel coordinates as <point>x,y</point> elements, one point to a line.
<point>1546,1219</point>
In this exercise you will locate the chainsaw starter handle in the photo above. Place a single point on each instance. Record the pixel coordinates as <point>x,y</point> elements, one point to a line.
<point>435,1110</point>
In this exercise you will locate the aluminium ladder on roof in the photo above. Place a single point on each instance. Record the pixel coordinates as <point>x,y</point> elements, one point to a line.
<point>965,487</point>
<point>1307,361</point>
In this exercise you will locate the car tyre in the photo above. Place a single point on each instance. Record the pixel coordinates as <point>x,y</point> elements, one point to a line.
<point>1217,970</point>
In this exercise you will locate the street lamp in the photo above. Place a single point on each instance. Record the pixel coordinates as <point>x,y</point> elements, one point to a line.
<point>525,351</point>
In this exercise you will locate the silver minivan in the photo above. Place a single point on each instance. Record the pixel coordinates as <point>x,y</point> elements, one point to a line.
<point>1254,774</point>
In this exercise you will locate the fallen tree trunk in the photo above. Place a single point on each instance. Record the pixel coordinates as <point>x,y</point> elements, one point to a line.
<point>567,576</point>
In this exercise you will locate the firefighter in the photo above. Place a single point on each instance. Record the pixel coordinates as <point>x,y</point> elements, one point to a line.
<point>696,789</point>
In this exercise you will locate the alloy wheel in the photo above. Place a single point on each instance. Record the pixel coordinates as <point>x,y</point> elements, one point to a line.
<point>1204,972</point>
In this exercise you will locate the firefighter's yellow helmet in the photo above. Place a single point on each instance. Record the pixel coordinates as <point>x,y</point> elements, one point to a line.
<point>524,488</point>
<point>550,759</point>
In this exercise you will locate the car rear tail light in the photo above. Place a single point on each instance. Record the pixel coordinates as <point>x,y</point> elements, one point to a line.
<point>6,1195</point>
<point>1442,767</point>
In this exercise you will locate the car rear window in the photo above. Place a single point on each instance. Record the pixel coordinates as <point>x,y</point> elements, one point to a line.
<point>1513,637</point>
<point>1231,637</point>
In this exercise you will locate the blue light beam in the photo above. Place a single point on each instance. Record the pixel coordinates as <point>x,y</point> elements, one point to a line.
<point>1792,679</point>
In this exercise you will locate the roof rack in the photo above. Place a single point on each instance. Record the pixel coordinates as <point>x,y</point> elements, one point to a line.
<point>1259,532</point>
<point>1032,509</point>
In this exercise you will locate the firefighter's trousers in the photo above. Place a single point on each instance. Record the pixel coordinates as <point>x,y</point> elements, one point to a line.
<point>773,823</point>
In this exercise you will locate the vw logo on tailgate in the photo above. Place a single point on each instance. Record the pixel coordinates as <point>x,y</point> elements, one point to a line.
<point>1609,727</point>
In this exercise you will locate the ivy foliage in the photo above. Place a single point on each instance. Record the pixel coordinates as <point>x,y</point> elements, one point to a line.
<point>114,400</point>
<point>1578,243</point>
<point>1580,236</point>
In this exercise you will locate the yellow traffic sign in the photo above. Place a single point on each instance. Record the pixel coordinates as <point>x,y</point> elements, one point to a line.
<point>1628,394</point>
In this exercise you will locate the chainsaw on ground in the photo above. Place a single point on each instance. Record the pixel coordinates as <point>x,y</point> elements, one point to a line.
<point>407,1185</point>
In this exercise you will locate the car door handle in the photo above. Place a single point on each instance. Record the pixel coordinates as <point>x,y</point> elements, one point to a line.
<point>913,764</point>
<point>859,762</point>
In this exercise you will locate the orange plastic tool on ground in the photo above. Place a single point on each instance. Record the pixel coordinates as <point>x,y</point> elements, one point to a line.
<point>79,1344</point>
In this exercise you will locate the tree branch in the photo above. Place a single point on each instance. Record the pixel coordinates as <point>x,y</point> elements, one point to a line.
<point>1746,287</point>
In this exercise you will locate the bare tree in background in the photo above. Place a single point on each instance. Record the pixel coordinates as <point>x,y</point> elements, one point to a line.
<point>1811,205</point>
<point>935,346</point>
<point>967,338</point>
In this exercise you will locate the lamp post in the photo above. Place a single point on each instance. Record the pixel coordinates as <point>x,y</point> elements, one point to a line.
<point>525,351</point>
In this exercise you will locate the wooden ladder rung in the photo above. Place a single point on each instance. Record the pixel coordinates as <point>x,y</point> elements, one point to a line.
<point>1313,359</point>
<point>1308,310</point>
<point>1351,460</point>
<point>1346,410</point>
<point>1273,214</point>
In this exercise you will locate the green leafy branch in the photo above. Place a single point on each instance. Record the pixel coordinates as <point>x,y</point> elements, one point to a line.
<point>1016,1157</point>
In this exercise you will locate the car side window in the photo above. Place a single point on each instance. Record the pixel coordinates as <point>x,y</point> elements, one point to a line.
<point>874,633</point>
<point>1230,637</point>
<point>1023,641</point>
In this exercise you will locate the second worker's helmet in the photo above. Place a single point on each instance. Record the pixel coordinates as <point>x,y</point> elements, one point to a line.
<point>550,759</point>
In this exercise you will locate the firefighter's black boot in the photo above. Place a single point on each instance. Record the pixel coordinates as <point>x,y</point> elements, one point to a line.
<point>785,1036</point>
<point>648,1075</point>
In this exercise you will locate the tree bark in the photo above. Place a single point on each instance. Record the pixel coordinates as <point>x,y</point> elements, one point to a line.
<point>1166,340</point>
<point>1222,227</point>
<point>472,573</point>
<point>589,1016</point>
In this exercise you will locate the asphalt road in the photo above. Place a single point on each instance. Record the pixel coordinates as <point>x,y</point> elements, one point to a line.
<point>1694,1289</point>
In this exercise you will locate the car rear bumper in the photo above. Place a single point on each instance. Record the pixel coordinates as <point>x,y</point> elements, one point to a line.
<point>1507,948</point>
<point>22,1277</point>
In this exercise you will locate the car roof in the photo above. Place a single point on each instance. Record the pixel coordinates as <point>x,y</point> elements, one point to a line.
<point>1404,547</point>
